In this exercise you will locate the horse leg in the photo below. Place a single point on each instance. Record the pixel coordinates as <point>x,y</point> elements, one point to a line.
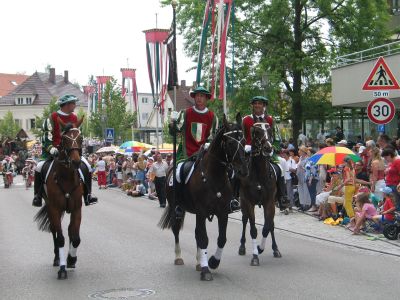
<point>56,261</point>
<point>253,233</point>
<point>214,260</point>
<point>55,220</point>
<point>178,254</point>
<point>242,247</point>
<point>202,243</point>
<point>74,238</point>
<point>269,213</point>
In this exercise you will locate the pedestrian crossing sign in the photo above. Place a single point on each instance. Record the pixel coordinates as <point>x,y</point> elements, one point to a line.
<point>381,78</point>
<point>110,134</point>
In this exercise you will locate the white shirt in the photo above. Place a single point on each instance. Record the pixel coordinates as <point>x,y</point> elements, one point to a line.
<point>101,165</point>
<point>290,164</point>
<point>159,168</point>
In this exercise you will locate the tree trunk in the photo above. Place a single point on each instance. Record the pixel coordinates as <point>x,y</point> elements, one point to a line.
<point>297,114</point>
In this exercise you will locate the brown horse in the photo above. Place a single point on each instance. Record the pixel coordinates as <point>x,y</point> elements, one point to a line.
<point>259,188</point>
<point>63,193</point>
<point>209,193</point>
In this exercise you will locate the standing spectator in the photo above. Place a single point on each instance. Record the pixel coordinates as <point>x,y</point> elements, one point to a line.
<point>339,134</point>
<point>140,168</point>
<point>168,159</point>
<point>304,194</point>
<point>111,171</point>
<point>290,168</point>
<point>312,177</point>
<point>159,168</point>
<point>349,181</point>
<point>377,177</point>
<point>392,172</point>
<point>101,173</point>
<point>321,137</point>
<point>291,144</point>
<point>302,139</point>
<point>118,169</point>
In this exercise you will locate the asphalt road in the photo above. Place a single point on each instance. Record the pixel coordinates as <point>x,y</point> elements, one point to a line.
<point>124,255</point>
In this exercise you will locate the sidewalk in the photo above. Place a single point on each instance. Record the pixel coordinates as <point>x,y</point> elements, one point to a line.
<point>310,227</point>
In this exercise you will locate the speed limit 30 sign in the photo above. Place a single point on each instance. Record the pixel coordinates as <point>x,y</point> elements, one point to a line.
<point>381,110</point>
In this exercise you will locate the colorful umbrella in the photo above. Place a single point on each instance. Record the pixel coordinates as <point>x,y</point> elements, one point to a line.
<point>333,156</point>
<point>133,146</point>
<point>109,149</point>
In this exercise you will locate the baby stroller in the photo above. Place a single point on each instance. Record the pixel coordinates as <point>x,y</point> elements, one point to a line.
<point>392,231</point>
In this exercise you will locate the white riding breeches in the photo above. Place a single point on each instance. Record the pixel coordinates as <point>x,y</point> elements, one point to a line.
<point>83,159</point>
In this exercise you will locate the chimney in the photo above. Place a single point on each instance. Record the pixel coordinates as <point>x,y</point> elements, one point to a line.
<point>183,83</point>
<point>52,76</point>
<point>66,76</point>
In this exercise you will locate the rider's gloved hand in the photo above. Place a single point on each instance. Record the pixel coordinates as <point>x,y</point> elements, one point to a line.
<point>54,151</point>
<point>206,145</point>
<point>247,148</point>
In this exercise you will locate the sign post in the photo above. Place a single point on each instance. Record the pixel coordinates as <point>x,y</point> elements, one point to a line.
<point>110,135</point>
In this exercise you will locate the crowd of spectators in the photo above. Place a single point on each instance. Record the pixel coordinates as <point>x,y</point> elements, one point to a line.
<point>361,189</point>
<point>137,175</point>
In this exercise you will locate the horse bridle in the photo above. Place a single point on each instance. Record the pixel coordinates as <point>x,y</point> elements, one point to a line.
<point>260,150</point>
<point>75,145</point>
<point>239,144</point>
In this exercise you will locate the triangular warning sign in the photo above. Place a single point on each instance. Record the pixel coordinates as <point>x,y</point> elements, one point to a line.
<point>381,78</point>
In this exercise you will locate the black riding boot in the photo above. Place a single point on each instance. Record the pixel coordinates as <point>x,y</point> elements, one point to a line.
<point>38,186</point>
<point>283,199</point>
<point>88,198</point>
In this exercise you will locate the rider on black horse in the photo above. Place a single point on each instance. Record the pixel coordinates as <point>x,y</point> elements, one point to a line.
<point>51,140</point>
<point>259,115</point>
<point>195,126</point>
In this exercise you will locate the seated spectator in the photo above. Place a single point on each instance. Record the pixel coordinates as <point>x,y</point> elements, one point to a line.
<point>364,210</point>
<point>387,206</point>
<point>334,189</point>
<point>138,189</point>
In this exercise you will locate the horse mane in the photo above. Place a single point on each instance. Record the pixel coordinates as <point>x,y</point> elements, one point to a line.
<point>68,127</point>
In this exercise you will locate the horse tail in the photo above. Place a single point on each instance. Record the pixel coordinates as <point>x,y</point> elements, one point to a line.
<point>168,219</point>
<point>42,219</point>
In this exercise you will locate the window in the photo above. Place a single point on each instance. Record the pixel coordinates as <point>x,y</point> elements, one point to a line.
<point>145,116</point>
<point>32,123</point>
<point>18,122</point>
<point>20,101</point>
<point>28,100</point>
<point>145,100</point>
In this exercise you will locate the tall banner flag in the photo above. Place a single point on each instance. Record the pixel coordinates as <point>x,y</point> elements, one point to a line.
<point>157,64</point>
<point>89,91</point>
<point>218,14</point>
<point>101,83</point>
<point>130,74</point>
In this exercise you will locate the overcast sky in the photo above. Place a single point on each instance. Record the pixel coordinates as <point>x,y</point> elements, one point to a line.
<point>85,37</point>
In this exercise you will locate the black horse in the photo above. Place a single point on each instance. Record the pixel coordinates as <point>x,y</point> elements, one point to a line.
<point>64,190</point>
<point>209,193</point>
<point>259,188</point>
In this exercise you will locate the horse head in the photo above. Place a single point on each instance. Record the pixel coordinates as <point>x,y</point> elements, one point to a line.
<point>261,143</point>
<point>71,142</point>
<point>233,144</point>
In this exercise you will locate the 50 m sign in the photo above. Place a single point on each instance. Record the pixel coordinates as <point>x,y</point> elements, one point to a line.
<point>381,111</point>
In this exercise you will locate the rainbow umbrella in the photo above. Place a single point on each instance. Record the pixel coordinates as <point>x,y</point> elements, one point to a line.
<point>333,156</point>
<point>133,146</point>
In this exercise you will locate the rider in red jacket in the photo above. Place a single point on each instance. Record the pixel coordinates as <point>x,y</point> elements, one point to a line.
<point>51,140</point>
<point>259,115</point>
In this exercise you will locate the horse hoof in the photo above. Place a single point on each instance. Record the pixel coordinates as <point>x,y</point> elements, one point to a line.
<point>286,211</point>
<point>71,261</point>
<point>56,262</point>
<point>242,250</point>
<point>62,273</point>
<point>198,268</point>
<point>213,263</point>
<point>277,254</point>
<point>179,262</point>
<point>205,274</point>
<point>255,261</point>
<point>260,250</point>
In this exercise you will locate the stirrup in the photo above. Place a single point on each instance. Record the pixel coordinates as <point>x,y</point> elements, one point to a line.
<point>234,205</point>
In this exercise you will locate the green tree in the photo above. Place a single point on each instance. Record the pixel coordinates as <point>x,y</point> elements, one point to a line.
<point>8,127</point>
<point>293,42</point>
<point>39,120</point>
<point>112,114</point>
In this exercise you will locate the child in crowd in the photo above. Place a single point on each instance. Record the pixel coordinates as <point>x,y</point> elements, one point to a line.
<point>364,210</point>
<point>137,189</point>
<point>387,206</point>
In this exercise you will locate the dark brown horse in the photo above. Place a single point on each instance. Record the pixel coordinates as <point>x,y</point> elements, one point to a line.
<point>209,193</point>
<point>259,188</point>
<point>63,193</point>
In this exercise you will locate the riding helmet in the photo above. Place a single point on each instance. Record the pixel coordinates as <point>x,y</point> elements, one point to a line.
<point>66,99</point>
<point>200,90</point>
